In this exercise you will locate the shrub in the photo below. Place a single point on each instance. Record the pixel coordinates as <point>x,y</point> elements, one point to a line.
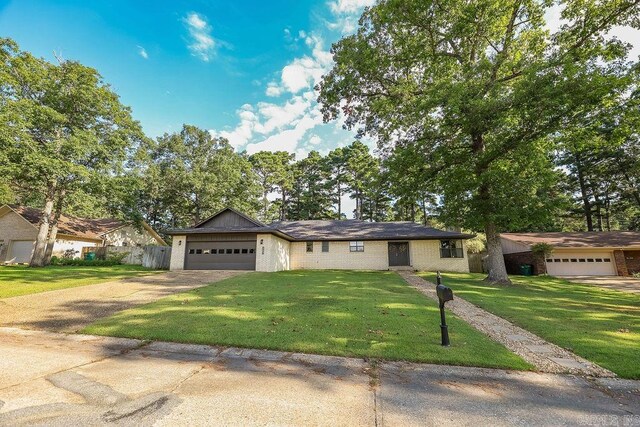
<point>543,249</point>
<point>77,262</point>
<point>117,257</point>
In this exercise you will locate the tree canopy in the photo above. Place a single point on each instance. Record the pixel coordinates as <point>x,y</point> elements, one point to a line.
<point>478,89</point>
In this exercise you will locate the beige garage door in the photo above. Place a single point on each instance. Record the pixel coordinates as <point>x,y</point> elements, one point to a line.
<point>20,251</point>
<point>581,264</point>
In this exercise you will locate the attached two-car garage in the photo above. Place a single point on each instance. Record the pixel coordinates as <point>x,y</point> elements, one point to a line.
<point>577,263</point>
<point>235,252</point>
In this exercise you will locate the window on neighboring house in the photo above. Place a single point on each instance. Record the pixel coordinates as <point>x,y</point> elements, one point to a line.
<point>356,246</point>
<point>309,246</point>
<point>325,246</point>
<point>451,249</point>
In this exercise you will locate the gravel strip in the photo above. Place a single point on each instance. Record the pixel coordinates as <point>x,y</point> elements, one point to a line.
<point>545,356</point>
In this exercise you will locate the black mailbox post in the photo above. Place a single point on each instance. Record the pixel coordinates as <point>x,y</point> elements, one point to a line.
<point>444,294</point>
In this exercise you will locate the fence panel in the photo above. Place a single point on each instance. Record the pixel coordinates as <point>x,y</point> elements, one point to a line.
<point>156,257</point>
<point>476,263</point>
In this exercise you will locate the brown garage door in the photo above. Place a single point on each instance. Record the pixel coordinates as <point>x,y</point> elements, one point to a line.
<point>236,255</point>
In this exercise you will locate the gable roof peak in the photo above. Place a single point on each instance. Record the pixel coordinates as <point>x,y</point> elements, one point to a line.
<point>235,211</point>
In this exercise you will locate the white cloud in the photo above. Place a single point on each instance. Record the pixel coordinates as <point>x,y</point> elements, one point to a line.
<point>239,136</point>
<point>315,140</point>
<point>287,140</point>
<point>346,14</point>
<point>349,6</point>
<point>202,44</point>
<point>273,89</point>
<point>303,72</point>
<point>294,124</point>
<point>143,52</point>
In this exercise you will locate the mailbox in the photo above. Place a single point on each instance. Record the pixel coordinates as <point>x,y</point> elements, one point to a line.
<point>444,293</point>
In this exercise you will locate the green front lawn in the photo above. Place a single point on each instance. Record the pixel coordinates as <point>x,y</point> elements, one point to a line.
<point>344,313</point>
<point>598,324</point>
<point>21,280</point>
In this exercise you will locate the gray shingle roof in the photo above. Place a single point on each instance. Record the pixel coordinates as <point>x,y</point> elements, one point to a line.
<point>328,230</point>
<point>361,230</point>
<point>585,239</point>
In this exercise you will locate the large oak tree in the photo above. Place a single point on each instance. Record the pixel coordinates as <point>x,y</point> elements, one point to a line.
<point>61,126</point>
<point>478,86</point>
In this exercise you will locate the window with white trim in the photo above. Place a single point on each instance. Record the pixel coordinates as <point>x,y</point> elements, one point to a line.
<point>356,246</point>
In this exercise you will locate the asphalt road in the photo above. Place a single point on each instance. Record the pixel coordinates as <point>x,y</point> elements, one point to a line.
<point>56,379</point>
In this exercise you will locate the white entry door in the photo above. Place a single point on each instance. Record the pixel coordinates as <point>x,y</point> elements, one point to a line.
<point>581,264</point>
<point>20,251</point>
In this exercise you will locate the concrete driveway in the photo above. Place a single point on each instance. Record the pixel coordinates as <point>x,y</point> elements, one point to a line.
<point>624,284</point>
<point>56,379</point>
<point>71,309</point>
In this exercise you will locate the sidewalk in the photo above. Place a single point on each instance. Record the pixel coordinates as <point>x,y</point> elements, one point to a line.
<point>57,379</point>
<point>545,356</point>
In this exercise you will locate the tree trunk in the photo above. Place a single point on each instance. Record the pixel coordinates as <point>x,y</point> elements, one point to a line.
<point>339,201</point>
<point>283,207</point>
<point>38,257</point>
<point>495,261</point>
<point>53,231</point>
<point>424,212</point>
<point>265,206</point>
<point>586,203</point>
<point>598,204</point>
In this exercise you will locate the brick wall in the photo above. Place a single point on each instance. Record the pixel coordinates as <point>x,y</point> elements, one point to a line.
<point>632,260</point>
<point>273,254</point>
<point>621,264</point>
<point>425,256</point>
<point>177,253</point>
<point>515,260</point>
<point>374,257</point>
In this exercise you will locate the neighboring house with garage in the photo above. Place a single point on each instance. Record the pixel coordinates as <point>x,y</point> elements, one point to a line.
<point>232,240</point>
<point>19,229</point>
<point>610,253</point>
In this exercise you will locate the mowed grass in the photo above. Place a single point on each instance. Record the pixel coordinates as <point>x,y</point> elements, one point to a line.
<point>598,324</point>
<point>21,280</point>
<point>344,313</point>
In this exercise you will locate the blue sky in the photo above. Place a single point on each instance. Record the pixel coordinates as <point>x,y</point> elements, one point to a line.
<point>244,70</point>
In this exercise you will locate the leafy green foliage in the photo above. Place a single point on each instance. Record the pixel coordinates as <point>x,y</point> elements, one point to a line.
<point>61,127</point>
<point>542,249</point>
<point>477,89</point>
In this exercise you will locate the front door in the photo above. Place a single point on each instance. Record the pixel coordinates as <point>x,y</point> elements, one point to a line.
<point>398,254</point>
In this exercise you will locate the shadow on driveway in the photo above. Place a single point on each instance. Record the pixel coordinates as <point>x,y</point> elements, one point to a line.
<point>71,309</point>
